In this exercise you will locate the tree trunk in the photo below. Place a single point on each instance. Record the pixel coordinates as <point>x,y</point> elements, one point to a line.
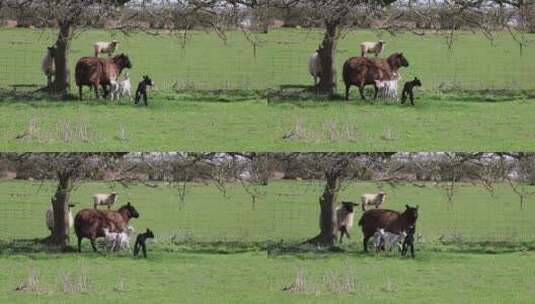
<point>327,236</point>
<point>60,204</point>
<point>327,51</point>
<point>60,84</point>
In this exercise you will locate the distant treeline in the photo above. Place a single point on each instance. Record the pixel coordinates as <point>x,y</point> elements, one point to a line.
<point>431,167</point>
<point>415,17</point>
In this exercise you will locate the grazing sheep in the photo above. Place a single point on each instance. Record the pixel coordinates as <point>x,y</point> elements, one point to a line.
<point>47,65</point>
<point>105,47</point>
<point>391,220</point>
<point>344,218</point>
<point>95,72</point>
<point>387,240</point>
<point>372,47</point>
<point>409,241</point>
<point>363,71</point>
<point>142,89</point>
<point>121,88</point>
<point>375,199</point>
<point>89,223</point>
<point>50,218</point>
<point>104,199</point>
<point>314,66</point>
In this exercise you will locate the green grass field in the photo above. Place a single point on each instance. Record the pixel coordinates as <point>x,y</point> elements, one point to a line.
<point>212,248</point>
<point>182,117</point>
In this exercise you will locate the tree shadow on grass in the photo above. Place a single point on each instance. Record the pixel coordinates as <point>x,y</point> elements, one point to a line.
<point>458,245</point>
<point>213,96</point>
<point>307,97</point>
<point>298,95</point>
<point>38,249</point>
<point>483,96</point>
<point>30,94</point>
<point>30,246</point>
<point>272,248</point>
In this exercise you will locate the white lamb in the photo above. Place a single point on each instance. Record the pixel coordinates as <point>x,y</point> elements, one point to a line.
<point>50,218</point>
<point>375,199</point>
<point>314,66</point>
<point>105,47</point>
<point>385,240</point>
<point>121,88</point>
<point>388,88</point>
<point>124,238</point>
<point>112,239</point>
<point>116,241</point>
<point>104,199</point>
<point>372,47</point>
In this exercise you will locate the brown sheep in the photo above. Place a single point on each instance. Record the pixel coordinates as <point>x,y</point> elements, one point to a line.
<point>363,71</point>
<point>95,72</point>
<point>90,223</point>
<point>391,220</point>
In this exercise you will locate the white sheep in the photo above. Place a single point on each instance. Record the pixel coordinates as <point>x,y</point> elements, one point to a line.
<point>104,199</point>
<point>344,218</point>
<point>392,89</point>
<point>50,218</point>
<point>112,239</point>
<point>385,240</point>
<point>392,86</point>
<point>387,88</point>
<point>372,47</point>
<point>124,238</point>
<point>375,199</point>
<point>314,66</point>
<point>121,88</point>
<point>105,47</point>
<point>47,65</point>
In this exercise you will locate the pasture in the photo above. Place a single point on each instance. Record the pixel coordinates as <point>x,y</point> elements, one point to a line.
<point>218,246</point>
<point>214,94</point>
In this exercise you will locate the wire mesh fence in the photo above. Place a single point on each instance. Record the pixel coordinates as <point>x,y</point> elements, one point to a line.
<point>204,61</point>
<point>284,211</point>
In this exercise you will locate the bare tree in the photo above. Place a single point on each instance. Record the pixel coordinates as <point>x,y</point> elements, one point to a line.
<point>334,16</point>
<point>69,16</point>
<point>336,168</point>
<point>69,169</point>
